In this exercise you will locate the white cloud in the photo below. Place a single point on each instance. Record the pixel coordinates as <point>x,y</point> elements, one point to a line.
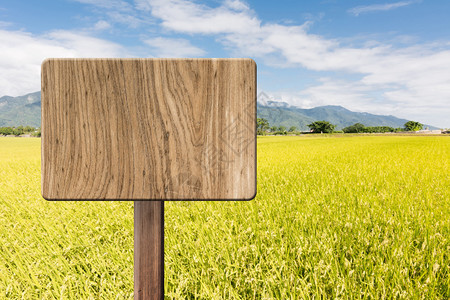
<point>236,5</point>
<point>129,20</point>
<point>109,4</point>
<point>117,11</point>
<point>167,47</point>
<point>189,17</point>
<point>102,25</point>
<point>4,24</point>
<point>378,7</point>
<point>22,54</point>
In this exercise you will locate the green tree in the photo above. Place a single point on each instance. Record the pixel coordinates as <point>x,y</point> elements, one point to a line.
<point>355,128</point>
<point>321,127</point>
<point>6,130</point>
<point>292,129</point>
<point>413,126</point>
<point>37,132</point>
<point>274,129</point>
<point>17,131</point>
<point>262,126</point>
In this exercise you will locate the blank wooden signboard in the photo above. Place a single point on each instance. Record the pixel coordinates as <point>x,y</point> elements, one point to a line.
<point>148,129</point>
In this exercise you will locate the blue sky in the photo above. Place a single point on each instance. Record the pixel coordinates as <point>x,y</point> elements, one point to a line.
<point>382,57</point>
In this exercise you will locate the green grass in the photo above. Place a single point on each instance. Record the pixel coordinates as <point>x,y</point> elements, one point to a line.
<point>335,217</point>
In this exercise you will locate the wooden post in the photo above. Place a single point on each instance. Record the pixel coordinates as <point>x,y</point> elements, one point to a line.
<point>148,250</point>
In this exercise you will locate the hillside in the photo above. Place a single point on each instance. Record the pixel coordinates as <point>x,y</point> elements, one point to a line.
<point>21,110</point>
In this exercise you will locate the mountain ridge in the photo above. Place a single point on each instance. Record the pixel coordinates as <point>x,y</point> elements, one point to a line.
<point>26,110</point>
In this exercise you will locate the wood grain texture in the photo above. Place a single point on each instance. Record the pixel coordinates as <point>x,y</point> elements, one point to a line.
<point>148,250</point>
<point>142,129</point>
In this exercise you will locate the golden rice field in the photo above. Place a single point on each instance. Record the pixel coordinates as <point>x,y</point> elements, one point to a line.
<point>335,217</point>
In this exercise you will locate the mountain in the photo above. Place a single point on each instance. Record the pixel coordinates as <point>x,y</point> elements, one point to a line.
<point>26,110</point>
<point>282,114</point>
<point>22,110</point>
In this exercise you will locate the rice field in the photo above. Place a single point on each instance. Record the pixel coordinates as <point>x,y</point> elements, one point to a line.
<point>337,217</point>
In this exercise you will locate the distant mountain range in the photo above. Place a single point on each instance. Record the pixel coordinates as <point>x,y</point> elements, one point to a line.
<point>26,110</point>
<point>283,114</point>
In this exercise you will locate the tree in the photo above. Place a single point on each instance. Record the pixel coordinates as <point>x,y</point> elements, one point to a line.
<point>274,129</point>
<point>17,131</point>
<point>262,126</point>
<point>321,126</point>
<point>37,132</point>
<point>355,128</point>
<point>281,130</point>
<point>292,129</point>
<point>6,130</point>
<point>413,126</point>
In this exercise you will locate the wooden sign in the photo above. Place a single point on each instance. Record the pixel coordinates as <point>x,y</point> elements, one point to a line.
<point>148,129</point>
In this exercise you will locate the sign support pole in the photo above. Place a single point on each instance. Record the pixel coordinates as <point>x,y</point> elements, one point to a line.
<point>148,250</point>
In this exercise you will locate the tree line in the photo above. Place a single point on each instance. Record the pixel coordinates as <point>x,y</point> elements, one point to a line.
<point>19,130</point>
<point>263,127</point>
<point>360,128</point>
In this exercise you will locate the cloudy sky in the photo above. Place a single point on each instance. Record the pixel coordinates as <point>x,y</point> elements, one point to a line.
<point>382,57</point>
